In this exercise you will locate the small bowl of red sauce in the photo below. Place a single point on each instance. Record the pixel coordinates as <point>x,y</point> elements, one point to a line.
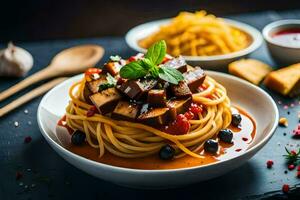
<point>283,40</point>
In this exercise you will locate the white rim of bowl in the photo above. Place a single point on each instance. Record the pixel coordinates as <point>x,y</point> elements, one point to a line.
<point>257,40</point>
<point>269,27</point>
<point>123,169</point>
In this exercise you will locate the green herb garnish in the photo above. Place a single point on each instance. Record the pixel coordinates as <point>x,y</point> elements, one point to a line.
<point>115,58</point>
<point>292,156</point>
<point>149,66</point>
<point>111,82</point>
<point>170,74</point>
<point>133,70</point>
<point>157,52</point>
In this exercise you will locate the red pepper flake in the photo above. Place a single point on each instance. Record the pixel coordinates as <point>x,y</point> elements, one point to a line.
<point>270,163</point>
<point>298,174</point>
<point>245,139</point>
<point>91,71</point>
<point>19,175</point>
<point>202,88</point>
<point>166,59</point>
<point>27,139</point>
<point>238,150</point>
<point>291,167</point>
<point>298,168</point>
<point>189,115</point>
<point>195,108</point>
<point>92,111</point>
<point>131,58</point>
<point>285,188</point>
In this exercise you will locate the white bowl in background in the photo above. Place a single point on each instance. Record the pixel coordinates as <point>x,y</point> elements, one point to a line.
<point>260,106</point>
<point>217,62</point>
<point>283,54</point>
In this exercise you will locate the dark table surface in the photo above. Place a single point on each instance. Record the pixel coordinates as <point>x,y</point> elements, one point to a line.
<point>47,176</point>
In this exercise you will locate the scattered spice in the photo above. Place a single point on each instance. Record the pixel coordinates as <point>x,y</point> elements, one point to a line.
<point>16,124</point>
<point>284,134</point>
<point>296,132</point>
<point>291,166</point>
<point>283,122</point>
<point>278,143</point>
<point>298,168</point>
<point>288,112</point>
<point>27,139</point>
<point>270,163</point>
<point>285,188</point>
<point>298,174</point>
<point>285,171</point>
<point>238,150</point>
<point>244,139</point>
<point>19,175</point>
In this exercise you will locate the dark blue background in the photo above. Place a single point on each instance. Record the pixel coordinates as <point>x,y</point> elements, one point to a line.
<point>54,178</point>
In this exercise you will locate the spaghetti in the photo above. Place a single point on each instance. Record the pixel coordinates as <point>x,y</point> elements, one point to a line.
<point>132,140</point>
<point>198,34</point>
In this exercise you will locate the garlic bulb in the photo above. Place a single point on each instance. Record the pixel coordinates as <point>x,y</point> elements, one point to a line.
<point>15,61</point>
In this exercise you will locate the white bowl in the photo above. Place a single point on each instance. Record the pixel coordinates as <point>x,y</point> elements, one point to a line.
<point>284,54</point>
<point>249,97</point>
<point>217,63</point>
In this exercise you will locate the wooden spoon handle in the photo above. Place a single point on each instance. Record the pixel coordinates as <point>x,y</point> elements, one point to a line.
<point>34,78</point>
<point>30,95</point>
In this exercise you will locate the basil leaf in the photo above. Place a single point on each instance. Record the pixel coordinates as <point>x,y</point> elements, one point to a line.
<point>115,58</point>
<point>154,72</point>
<point>147,64</point>
<point>157,52</point>
<point>170,74</point>
<point>133,70</point>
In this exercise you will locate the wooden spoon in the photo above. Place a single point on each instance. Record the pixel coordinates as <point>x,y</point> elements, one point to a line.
<point>70,61</point>
<point>30,95</point>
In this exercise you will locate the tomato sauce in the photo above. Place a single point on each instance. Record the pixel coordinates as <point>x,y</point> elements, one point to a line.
<point>288,37</point>
<point>242,138</point>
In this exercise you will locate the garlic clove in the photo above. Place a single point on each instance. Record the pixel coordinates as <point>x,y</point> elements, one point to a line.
<point>15,61</point>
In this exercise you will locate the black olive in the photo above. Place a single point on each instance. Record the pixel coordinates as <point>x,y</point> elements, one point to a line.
<point>167,152</point>
<point>78,138</point>
<point>236,119</point>
<point>211,146</point>
<point>225,135</point>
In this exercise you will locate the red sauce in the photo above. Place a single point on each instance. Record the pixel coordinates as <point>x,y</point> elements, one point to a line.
<point>247,130</point>
<point>288,37</point>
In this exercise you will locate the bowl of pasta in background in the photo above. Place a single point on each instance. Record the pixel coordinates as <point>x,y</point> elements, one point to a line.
<point>265,115</point>
<point>211,62</point>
